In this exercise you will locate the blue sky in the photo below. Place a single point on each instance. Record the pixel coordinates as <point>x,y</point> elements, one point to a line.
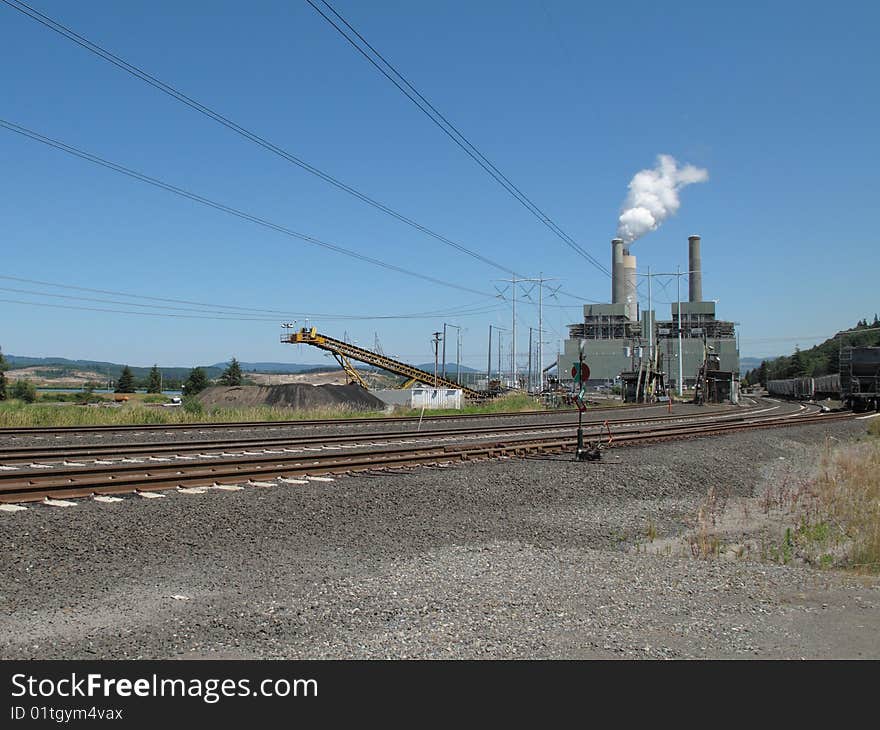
<point>779,101</point>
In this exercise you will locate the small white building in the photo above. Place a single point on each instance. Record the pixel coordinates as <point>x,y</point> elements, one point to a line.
<point>423,397</point>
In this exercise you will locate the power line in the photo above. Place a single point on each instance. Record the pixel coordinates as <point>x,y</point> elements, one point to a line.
<point>218,316</point>
<point>451,131</point>
<point>24,131</point>
<point>216,116</point>
<point>176,94</point>
<point>464,309</point>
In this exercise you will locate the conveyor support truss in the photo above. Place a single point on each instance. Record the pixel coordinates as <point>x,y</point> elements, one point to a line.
<point>344,351</point>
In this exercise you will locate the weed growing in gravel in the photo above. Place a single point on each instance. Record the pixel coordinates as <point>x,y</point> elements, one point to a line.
<point>836,514</point>
<point>704,541</point>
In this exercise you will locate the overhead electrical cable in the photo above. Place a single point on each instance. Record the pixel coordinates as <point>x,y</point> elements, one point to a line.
<point>222,316</point>
<point>24,131</point>
<point>464,308</point>
<point>451,131</point>
<point>139,73</point>
<point>483,309</point>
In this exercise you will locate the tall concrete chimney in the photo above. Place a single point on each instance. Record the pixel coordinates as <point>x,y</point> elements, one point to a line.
<point>695,280</point>
<point>617,284</point>
<point>630,285</point>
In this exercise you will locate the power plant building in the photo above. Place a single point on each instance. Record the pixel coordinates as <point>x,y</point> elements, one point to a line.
<point>616,335</point>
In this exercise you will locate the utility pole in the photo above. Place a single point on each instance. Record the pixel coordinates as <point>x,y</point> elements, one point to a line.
<point>513,281</point>
<point>540,281</point>
<point>489,365</point>
<point>436,340</point>
<point>513,337</point>
<point>444,350</point>
<point>529,381</point>
<point>677,274</point>
<point>680,351</point>
<point>458,329</point>
<point>650,318</point>
<point>541,332</point>
<point>458,358</point>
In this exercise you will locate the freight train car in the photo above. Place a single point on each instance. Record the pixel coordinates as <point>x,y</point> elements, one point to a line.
<point>860,378</point>
<point>857,385</point>
<point>796,388</point>
<point>826,386</point>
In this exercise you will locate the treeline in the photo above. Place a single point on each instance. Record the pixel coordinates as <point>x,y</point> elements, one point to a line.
<point>823,359</point>
<point>196,382</point>
<point>154,382</point>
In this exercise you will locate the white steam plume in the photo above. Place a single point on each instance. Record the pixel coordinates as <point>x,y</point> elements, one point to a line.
<point>653,196</point>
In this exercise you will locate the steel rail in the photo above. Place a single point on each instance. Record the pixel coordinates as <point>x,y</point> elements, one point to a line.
<point>10,455</point>
<point>135,478</point>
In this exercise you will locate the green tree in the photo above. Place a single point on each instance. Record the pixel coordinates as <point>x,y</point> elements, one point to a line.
<point>798,364</point>
<point>24,390</point>
<point>196,382</point>
<point>154,381</point>
<point>126,381</point>
<point>232,374</point>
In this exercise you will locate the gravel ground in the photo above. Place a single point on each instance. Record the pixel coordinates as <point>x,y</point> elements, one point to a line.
<point>532,558</point>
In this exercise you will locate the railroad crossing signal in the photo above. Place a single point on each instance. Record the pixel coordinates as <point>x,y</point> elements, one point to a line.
<point>580,372</point>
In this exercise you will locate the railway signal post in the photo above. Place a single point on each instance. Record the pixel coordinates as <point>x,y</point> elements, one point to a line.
<point>580,371</point>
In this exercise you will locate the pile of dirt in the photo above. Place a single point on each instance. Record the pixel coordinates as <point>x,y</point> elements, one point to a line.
<point>293,395</point>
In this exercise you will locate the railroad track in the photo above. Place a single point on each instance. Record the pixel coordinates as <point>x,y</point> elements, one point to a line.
<point>17,456</point>
<point>273,469</point>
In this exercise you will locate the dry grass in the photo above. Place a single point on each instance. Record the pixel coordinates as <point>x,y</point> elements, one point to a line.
<point>704,541</point>
<point>14,414</point>
<point>833,518</point>
<point>19,415</point>
<point>846,508</point>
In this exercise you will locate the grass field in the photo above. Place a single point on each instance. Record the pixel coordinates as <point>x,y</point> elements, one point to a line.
<point>15,414</point>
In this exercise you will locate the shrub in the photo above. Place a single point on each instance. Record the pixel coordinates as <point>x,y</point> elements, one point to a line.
<point>24,390</point>
<point>193,405</point>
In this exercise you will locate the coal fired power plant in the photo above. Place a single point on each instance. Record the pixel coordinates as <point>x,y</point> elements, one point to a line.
<point>619,337</point>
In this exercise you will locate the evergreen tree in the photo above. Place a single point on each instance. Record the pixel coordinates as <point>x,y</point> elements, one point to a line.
<point>154,381</point>
<point>232,374</point>
<point>126,381</point>
<point>196,382</point>
<point>762,373</point>
<point>798,366</point>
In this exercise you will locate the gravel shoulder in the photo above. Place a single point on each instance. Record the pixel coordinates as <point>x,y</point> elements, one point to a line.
<point>534,558</point>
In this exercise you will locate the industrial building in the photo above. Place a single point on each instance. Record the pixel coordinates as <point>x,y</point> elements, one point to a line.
<point>619,337</point>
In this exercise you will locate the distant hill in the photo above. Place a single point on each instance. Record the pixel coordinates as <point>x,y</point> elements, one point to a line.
<point>60,367</point>
<point>280,368</point>
<point>750,363</point>
<point>451,367</point>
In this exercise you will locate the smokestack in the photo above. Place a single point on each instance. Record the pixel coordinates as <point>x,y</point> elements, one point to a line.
<point>617,284</point>
<point>695,280</point>
<point>630,285</point>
